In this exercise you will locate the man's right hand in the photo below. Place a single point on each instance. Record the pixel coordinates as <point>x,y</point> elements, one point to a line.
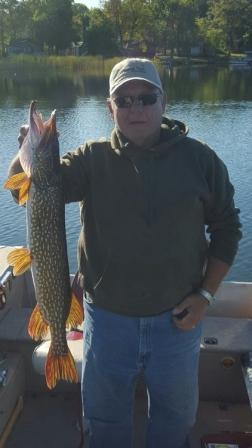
<point>15,166</point>
<point>22,134</point>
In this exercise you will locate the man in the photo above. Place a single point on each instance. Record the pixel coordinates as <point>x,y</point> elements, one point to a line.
<point>149,274</point>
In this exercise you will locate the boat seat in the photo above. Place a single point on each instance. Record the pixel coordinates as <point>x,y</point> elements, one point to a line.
<point>75,344</point>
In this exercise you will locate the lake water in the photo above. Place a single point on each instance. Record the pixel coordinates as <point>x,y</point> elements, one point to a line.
<point>216,103</point>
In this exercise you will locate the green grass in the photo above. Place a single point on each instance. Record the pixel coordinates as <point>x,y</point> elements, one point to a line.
<point>89,65</point>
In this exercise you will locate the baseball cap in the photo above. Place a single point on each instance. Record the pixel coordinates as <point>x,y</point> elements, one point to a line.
<point>133,68</point>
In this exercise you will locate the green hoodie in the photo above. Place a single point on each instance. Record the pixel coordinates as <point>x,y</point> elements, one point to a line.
<point>142,246</point>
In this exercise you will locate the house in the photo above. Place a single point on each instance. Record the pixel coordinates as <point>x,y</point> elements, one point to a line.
<point>23,46</point>
<point>197,50</point>
<point>134,49</point>
<point>76,49</point>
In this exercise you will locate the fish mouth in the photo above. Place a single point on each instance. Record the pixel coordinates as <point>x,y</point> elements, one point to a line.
<point>35,121</point>
<point>32,108</point>
<point>42,138</point>
<point>45,129</point>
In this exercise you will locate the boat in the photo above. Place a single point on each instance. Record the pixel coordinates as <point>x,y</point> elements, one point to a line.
<point>31,415</point>
<point>241,61</point>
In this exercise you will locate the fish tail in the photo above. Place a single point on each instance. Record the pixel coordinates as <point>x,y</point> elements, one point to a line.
<point>76,313</point>
<point>20,260</point>
<point>19,182</point>
<point>60,368</point>
<point>37,327</point>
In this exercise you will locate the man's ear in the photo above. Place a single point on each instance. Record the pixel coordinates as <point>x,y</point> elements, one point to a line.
<point>110,108</point>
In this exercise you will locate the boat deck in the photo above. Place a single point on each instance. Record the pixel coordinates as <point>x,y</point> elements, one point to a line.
<point>51,419</point>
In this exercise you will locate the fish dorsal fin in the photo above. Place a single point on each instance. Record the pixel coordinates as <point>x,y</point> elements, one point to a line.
<point>20,260</point>
<point>21,182</point>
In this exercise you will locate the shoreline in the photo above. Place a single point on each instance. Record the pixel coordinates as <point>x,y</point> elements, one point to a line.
<point>92,63</point>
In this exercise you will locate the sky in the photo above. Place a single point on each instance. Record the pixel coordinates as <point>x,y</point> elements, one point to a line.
<point>89,3</point>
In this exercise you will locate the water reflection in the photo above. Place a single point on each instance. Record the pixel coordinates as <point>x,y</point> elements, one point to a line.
<point>54,88</point>
<point>207,84</point>
<point>202,84</point>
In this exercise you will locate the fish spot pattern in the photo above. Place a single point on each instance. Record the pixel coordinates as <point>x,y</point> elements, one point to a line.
<point>50,268</point>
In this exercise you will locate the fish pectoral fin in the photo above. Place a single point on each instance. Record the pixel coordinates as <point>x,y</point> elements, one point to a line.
<point>60,368</point>
<point>23,192</point>
<point>16,181</point>
<point>76,313</point>
<point>20,259</point>
<point>19,182</point>
<point>37,327</point>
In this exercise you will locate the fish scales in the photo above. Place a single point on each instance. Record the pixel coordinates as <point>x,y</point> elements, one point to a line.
<point>49,259</point>
<point>40,187</point>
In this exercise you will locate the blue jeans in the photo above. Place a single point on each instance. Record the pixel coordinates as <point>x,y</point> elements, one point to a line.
<point>117,349</point>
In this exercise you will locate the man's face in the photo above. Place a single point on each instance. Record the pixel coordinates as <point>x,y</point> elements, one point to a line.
<point>138,122</point>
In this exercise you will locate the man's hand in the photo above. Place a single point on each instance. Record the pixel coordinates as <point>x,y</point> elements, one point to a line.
<point>22,134</point>
<point>193,308</point>
<point>23,131</point>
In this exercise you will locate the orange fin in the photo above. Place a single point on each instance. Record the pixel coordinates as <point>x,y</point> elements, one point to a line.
<point>23,192</point>
<point>37,327</point>
<point>76,313</point>
<point>20,259</point>
<point>16,181</point>
<point>19,182</point>
<point>60,368</point>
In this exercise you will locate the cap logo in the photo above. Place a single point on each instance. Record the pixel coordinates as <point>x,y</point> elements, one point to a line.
<point>135,68</point>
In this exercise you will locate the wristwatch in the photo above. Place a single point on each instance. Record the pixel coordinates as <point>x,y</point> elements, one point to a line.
<point>207,295</point>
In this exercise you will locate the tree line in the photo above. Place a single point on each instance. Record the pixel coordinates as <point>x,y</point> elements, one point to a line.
<point>151,25</point>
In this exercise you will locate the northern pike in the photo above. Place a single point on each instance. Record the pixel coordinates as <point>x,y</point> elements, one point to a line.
<point>40,188</point>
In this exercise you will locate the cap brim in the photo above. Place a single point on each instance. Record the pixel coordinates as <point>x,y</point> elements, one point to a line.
<point>135,78</point>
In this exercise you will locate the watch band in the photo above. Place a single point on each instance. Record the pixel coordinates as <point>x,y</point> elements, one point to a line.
<point>207,295</point>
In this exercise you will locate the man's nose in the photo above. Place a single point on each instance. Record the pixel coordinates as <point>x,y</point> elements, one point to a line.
<point>137,105</point>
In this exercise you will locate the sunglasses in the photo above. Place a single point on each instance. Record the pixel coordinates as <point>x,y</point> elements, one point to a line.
<point>146,99</point>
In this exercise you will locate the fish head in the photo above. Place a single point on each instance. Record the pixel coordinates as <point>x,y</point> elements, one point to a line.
<point>39,153</point>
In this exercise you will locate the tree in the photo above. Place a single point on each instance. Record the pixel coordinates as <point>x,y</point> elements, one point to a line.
<point>173,25</point>
<point>228,24</point>
<point>100,34</point>
<point>80,21</point>
<point>52,23</point>
<point>113,9</point>
<point>138,23</point>
<point>176,19</point>
<point>2,26</point>
<point>133,21</point>
<point>201,8</point>
<point>8,22</point>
